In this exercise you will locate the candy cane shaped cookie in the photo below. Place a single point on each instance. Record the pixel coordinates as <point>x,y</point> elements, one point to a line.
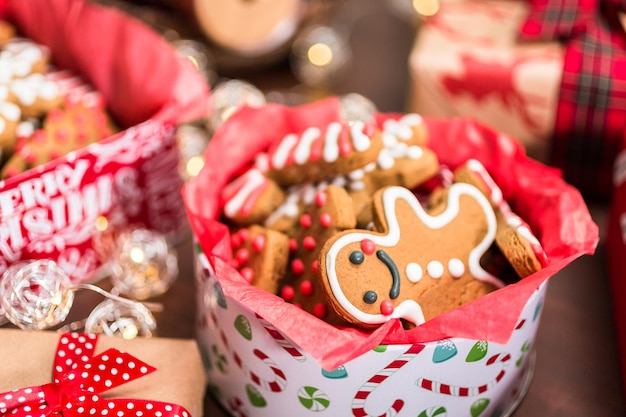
<point>282,341</point>
<point>280,380</point>
<point>514,236</point>
<point>458,391</point>
<point>360,398</point>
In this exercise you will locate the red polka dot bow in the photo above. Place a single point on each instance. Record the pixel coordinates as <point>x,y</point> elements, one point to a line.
<point>78,379</point>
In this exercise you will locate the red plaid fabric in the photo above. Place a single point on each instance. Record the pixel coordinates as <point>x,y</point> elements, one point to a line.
<point>591,112</point>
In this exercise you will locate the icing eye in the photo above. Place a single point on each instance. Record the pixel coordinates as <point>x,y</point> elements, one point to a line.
<point>357,257</point>
<point>370,297</point>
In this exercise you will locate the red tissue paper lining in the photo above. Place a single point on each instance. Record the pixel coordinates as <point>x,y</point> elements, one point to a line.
<point>555,211</point>
<point>140,75</point>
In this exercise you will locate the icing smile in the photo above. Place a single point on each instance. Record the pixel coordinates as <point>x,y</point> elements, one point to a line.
<point>384,257</point>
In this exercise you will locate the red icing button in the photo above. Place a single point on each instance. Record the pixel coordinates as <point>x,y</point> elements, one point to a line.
<point>244,234</point>
<point>325,219</point>
<point>293,245</point>
<point>314,265</point>
<point>242,255</point>
<point>321,198</point>
<point>386,308</point>
<point>305,220</point>
<point>309,243</point>
<point>368,246</point>
<point>320,310</point>
<point>306,288</point>
<point>287,293</point>
<point>297,267</point>
<point>258,243</point>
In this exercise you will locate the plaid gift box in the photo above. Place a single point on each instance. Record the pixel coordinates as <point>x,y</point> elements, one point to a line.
<point>588,113</point>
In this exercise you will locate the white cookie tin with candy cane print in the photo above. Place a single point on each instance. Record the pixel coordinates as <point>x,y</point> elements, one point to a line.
<point>255,371</point>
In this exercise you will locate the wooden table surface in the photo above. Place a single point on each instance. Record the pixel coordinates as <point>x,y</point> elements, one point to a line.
<point>576,371</point>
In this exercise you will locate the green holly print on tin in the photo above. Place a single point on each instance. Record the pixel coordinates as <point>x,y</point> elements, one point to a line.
<point>445,349</point>
<point>479,406</point>
<point>380,348</point>
<point>478,351</point>
<point>221,363</point>
<point>313,399</point>
<point>436,411</point>
<point>242,325</point>
<point>255,397</point>
<point>524,349</point>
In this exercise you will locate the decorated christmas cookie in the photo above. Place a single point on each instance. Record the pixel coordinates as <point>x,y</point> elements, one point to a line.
<point>416,264</point>
<point>261,256</point>
<point>514,236</point>
<point>316,154</point>
<point>330,213</point>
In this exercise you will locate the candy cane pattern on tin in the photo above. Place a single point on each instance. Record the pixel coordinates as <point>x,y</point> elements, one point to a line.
<point>360,398</point>
<point>281,340</point>
<point>280,380</point>
<point>458,391</point>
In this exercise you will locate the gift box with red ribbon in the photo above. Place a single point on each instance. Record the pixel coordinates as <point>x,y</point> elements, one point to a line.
<point>132,177</point>
<point>550,73</point>
<point>47,373</point>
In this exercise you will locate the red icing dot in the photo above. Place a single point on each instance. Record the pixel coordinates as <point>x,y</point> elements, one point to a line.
<point>368,246</point>
<point>320,310</point>
<point>325,219</point>
<point>321,198</point>
<point>305,220</point>
<point>55,115</point>
<point>247,273</point>
<point>386,308</point>
<point>287,293</point>
<point>309,243</point>
<point>258,243</point>
<point>39,137</point>
<point>297,267</point>
<point>235,240</point>
<point>293,245</point>
<point>306,288</point>
<point>314,265</point>
<point>81,136</point>
<point>234,263</point>
<point>244,234</point>
<point>242,255</point>
<point>61,135</point>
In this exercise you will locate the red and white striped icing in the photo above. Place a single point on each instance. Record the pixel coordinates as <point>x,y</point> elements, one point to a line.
<point>313,145</point>
<point>241,194</point>
<point>512,219</point>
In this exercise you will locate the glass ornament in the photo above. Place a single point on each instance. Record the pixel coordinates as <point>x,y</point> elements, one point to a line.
<point>121,319</point>
<point>354,107</point>
<point>228,97</point>
<point>318,54</point>
<point>36,295</point>
<point>191,141</point>
<point>142,264</point>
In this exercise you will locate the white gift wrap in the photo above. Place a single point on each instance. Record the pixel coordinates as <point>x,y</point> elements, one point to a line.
<point>254,371</point>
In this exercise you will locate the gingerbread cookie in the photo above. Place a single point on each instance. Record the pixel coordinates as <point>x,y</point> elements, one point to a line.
<point>251,198</point>
<point>64,130</point>
<point>416,264</point>
<point>330,213</point>
<point>514,237</point>
<point>316,155</point>
<point>261,256</point>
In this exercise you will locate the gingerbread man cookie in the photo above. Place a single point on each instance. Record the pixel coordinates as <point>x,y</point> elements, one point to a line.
<point>330,213</point>
<point>416,264</point>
